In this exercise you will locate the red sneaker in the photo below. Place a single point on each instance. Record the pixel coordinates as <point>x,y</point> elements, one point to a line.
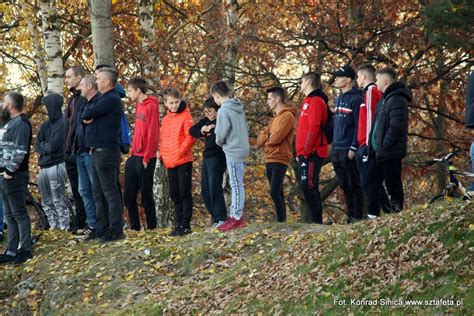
<point>234,225</point>
<point>230,221</point>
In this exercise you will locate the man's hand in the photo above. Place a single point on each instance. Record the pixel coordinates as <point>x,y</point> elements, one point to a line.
<point>145,164</point>
<point>7,176</point>
<point>207,128</point>
<point>351,154</point>
<point>88,121</point>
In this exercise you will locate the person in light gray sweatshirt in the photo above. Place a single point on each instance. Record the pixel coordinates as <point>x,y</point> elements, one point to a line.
<point>232,135</point>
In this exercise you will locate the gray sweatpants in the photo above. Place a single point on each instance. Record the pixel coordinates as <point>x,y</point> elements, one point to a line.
<point>52,185</point>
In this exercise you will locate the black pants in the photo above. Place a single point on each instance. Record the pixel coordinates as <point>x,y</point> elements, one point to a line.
<point>390,172</point>
<point>212,173</point>
<point>13,194</point>
<point>308,170</point>
<point>376,197</point>
<point>139,179</point>
<point>80,216</point>
<point>349,181</point>
<point>276,175</point>
<point>180,185</point>
<point>106,191</point>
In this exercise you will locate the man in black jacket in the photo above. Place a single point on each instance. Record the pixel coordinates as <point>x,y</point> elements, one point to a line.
<point>15,140</point>
<point>52,177</point>
<point>73,78</point>
<point>102,137</point>
<point>389,137</point>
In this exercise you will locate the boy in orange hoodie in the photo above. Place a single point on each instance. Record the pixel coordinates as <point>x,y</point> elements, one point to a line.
<point>276,139</point>
<point>176,152</point>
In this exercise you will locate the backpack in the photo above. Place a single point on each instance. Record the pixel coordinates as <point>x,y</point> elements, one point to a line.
<point>328,128</point>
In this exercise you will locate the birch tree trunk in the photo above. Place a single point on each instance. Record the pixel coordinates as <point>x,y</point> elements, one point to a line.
<point>232,42</point>
<point>164,205</point>
<point>52,47</point>
<point>102,31</point>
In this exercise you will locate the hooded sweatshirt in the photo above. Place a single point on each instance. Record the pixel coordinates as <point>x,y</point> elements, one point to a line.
<point>232,131</point>
<point>346,119</point>
<point>175,141</point>
<point>147,129</point>
<point>15,137</point>
<point>310,137</point>
<point>50,141</point>
<point>278,136</point>
<point>390,132</point>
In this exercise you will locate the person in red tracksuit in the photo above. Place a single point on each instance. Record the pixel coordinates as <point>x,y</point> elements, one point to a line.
<point>372,96</point>
<point>140,167</point>
<point>311,143</point>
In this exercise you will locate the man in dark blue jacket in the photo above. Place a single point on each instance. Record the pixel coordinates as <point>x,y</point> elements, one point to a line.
<point>389,137</point>
<point>345,144</point>
<point>102,137</point>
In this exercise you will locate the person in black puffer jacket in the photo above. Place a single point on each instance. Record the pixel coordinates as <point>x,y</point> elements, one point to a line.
<point>52,178</point>
<point>389,136</point>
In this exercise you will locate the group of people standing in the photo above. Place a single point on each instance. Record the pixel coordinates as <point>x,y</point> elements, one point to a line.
<point>368,132</point>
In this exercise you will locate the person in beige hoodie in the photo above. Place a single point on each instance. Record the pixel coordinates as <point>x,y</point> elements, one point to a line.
<point>276,140</point>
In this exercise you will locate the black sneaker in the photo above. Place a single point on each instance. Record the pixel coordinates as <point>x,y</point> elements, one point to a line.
<point>176,231</point>
<point>23,256</point>
<point>4,258</point>
<point>93,235</point>
<point>185,231</point>
<point>111,236</point>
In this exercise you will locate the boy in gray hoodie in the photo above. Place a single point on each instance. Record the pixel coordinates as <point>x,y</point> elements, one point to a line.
<point>232,135</point>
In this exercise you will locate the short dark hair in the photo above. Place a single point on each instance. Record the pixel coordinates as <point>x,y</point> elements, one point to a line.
<point>210,103</point>
<point>78,70</point>
<point>279,92</point>
<point>221,88</point>
<point>172,92</point>
<point>369,69</point>
<point>100,66</point>
<point>389,72</point>
<point>314,79</point>
<point>111,73</point>
<point>138,83</point>
<point>17,100</point>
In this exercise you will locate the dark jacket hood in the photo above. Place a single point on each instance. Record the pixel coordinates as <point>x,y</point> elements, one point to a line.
<point>398,88</point>
<point>182,106</point>
<point>53,103</point>
<point>319,93</point>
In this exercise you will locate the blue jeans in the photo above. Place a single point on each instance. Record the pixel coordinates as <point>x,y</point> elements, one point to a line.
<point>236,179</point>
<point>84,169</point>
<point>472,163</point>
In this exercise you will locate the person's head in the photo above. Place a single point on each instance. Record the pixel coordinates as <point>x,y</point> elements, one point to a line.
<point>365,75</point>
<point>136,87</point>
<point>310,82</point>
<point>220,92</point>
<point>99,67</point>
<point>210,109</point>
<point>74,75</point>
<point>107,78</point>
<point>384,78</point>
<point>172,99</point>
<point>13,102</point>
<point>275,97</point>
<point>88,86</point>
<point>344,77</point>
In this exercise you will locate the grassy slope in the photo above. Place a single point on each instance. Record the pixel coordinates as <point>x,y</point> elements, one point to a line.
<point>272,268</point>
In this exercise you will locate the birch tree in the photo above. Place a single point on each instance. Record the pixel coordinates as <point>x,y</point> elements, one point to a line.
<point>52,47</point>
<point>102,31</point>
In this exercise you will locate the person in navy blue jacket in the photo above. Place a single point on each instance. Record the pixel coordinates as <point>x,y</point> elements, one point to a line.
<point>102,137</point>
<point>345,144</point>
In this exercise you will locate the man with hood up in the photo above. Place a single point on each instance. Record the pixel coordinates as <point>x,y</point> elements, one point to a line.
<point>232,135</point>
<point>52,177</point>
<point>276,139</point>
<point>345,144</point>
<point>389,136</point>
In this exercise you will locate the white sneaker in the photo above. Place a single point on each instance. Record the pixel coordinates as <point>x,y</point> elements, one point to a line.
<point>219,223</point>
<point>371,216</point>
